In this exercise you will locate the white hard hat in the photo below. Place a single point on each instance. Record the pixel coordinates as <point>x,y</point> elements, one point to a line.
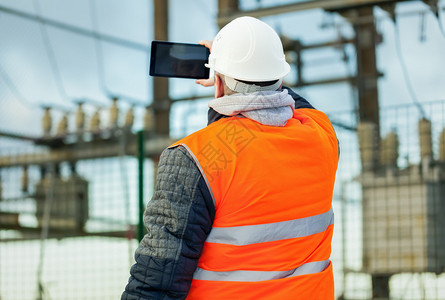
<point>250,50</point>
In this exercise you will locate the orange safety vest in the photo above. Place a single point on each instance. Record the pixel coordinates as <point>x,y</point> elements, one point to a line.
<point>272,188</point>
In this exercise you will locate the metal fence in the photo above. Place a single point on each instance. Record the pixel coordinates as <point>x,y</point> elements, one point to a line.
<point>390,202</point>
<point>68,216</point>
<point>68,226</point>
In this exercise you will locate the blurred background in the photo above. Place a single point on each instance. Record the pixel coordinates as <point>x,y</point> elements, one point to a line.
<point>82,126</point>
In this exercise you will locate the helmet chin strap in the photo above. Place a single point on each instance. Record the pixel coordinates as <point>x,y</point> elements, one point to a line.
<point>245,88</point>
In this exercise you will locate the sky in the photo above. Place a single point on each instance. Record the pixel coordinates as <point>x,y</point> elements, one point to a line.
<point>49,66</point>
<point>27,47</point>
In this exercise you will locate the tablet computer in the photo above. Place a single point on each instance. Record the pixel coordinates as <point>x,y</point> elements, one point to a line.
<point>179,60</point>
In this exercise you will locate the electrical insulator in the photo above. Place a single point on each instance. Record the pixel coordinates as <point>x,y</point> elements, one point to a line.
<point>442,146</point>
<point>129,117</point>
<point>367,144</point>
<point>80,118</point>
<point>389,150</point>
<point>148,119</point>
<point>1,189</point>
<point>95,121</point>
<point>114,113</point>
<point>25,180</point>
<point>426,148</point>
<point>47,121</point>
<point>62,128</point>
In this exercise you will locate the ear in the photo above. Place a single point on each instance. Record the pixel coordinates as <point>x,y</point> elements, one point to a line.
<point>219,87</point>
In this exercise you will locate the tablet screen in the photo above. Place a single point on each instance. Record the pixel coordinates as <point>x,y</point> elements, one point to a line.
<point>178,60</point>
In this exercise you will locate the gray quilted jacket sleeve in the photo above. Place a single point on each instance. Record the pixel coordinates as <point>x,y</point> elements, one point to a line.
<point>178,219</point>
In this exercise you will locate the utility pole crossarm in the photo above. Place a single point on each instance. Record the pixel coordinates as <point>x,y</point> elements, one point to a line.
<point>329,5</point>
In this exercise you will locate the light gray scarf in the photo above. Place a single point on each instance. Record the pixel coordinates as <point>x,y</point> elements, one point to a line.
<point>272,108</point>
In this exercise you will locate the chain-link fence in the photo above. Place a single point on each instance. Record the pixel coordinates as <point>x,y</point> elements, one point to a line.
<point>69,209</point>
<point>390,200</point>
<point>68,216</point>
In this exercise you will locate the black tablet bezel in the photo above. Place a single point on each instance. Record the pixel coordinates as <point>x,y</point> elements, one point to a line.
<point>153,60</point>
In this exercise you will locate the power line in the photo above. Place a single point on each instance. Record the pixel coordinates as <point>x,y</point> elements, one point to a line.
<point>435,9</point>
<point>19,96</point>
<point>204,5</point>
<point>405,70</point>
<point>51,55</point>
<point>100,61</point>
<point>98,49</point>
<point>438,14</point>
<point>376,19</point>
<point>342,125</point>
<point>14,89</point>
<point>76,30</point>
<point>349,68</point>
<point>92,34</point>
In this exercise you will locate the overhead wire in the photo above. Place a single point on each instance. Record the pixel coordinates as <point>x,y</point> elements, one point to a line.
<point>398,46</point>
<point>345,58</point>
<point>45,22</point>
<point>436,10</point>
<point>14,90</point>
<point>422,35</point>
<point>366,20</point>
<point>51,55</point>
<point>42,291</point>
<point>438,14</point>
<point>349,68</point>
<point>409,85</point>
<point>97,36</point>
<point>205,6</point>
<point>98,42</point>
<point>74,29</point>
<point>98,49</point>
<point>20,97</point>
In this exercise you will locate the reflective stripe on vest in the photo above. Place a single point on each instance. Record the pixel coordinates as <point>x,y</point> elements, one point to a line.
<point>252,276</point>
<point>201,171</point>
<point>252,234</point>
<point>272,189</point>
